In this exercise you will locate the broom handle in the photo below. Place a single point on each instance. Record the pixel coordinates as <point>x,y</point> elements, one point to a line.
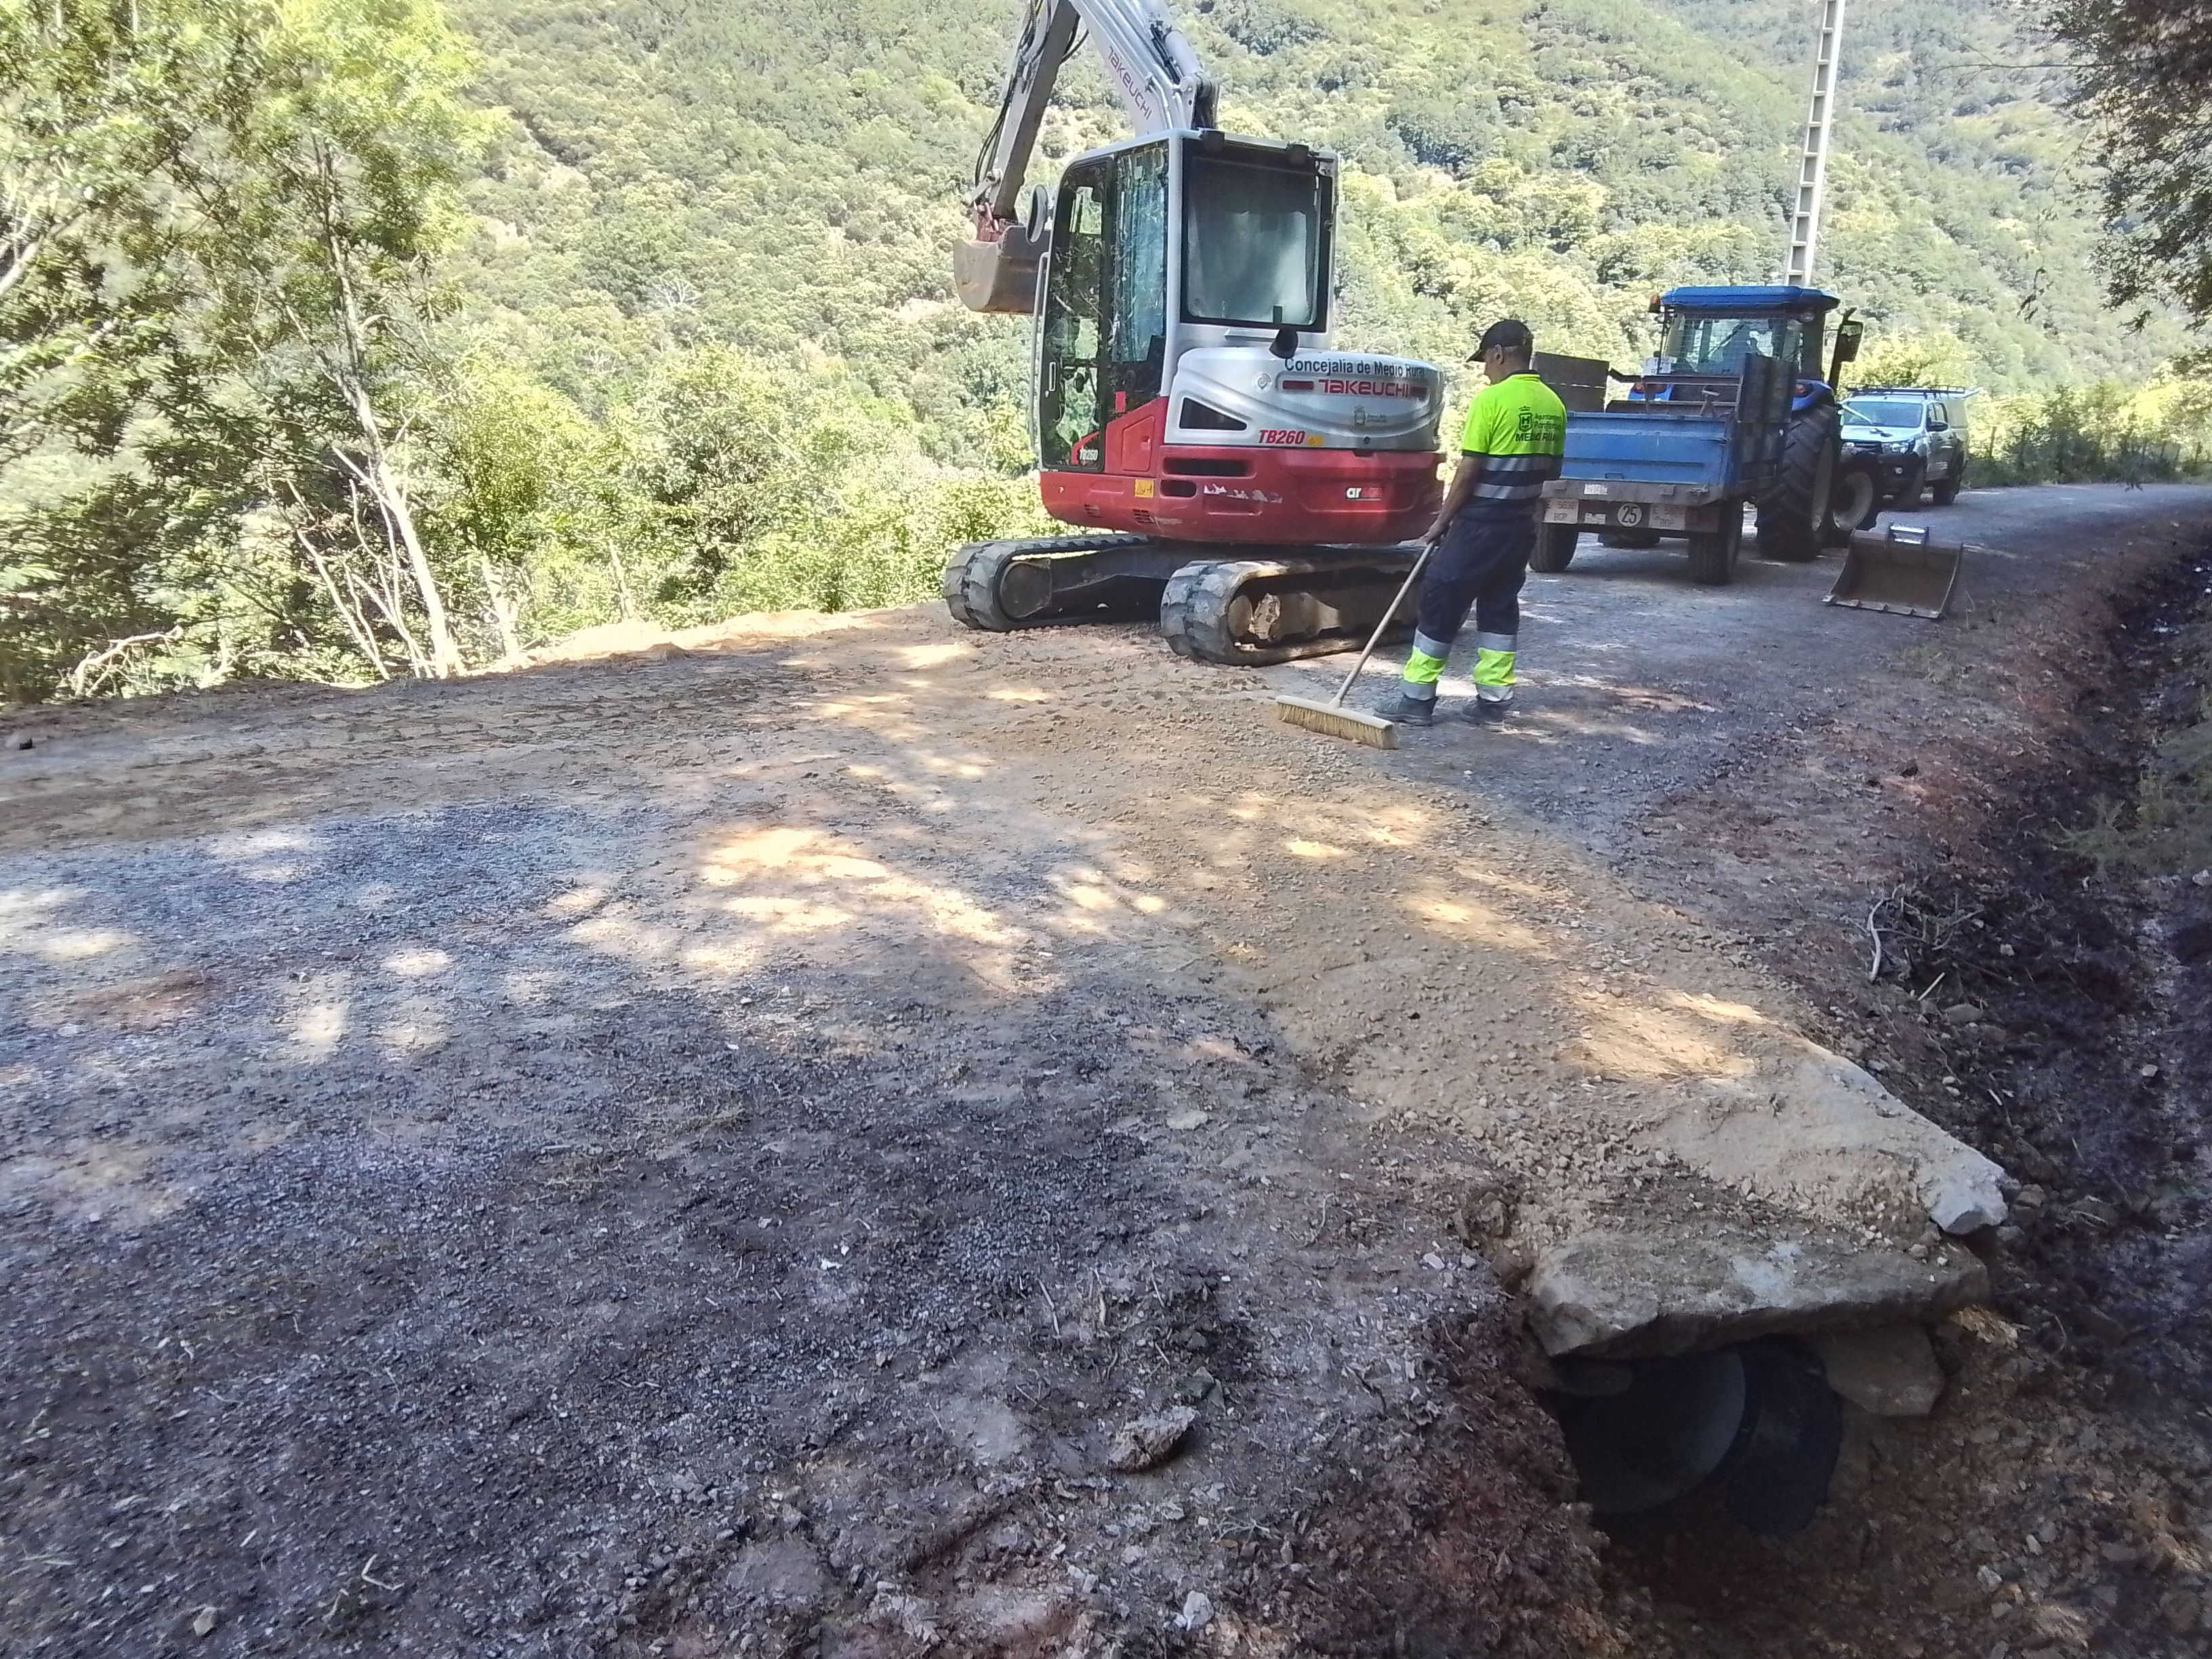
<point>1375,638</point>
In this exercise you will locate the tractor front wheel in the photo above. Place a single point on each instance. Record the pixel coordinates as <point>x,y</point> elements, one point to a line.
<point>1855,501</point>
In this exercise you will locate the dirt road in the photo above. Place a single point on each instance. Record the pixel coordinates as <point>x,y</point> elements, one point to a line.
<point>703,1156</point>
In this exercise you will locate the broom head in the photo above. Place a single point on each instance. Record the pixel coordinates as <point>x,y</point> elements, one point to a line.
<point>1337,721</point>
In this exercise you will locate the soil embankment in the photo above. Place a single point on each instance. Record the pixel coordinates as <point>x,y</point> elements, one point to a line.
<point>2052,1012</point>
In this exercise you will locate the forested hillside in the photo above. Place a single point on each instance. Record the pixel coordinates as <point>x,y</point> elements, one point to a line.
<point>786,177</point>
<point>665,329</point>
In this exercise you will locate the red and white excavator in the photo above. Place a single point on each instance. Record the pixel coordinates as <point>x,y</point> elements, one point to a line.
<point>1234,473</point>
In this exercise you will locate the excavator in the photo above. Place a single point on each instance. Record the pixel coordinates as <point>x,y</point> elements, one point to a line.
<point>1218,464</point>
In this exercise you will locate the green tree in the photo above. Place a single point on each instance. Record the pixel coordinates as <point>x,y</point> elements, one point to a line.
<point>2143,79</point>
<point>97,100</point>
<point>319,206</point>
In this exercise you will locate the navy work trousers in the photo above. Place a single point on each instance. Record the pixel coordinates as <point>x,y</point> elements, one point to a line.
<point>1480,565</point>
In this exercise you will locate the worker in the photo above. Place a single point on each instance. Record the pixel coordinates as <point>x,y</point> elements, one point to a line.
<point>1479,545</point>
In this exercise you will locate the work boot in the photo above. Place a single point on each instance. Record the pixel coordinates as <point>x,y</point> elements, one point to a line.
<point>1403,710</point>
<point>1481,711</point>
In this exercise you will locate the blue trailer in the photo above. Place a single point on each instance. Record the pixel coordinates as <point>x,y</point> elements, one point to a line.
<point>1733,410</point>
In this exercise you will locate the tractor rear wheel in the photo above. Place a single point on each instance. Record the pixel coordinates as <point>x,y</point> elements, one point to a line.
<point>1555,548</point>
<point>1792,520</point>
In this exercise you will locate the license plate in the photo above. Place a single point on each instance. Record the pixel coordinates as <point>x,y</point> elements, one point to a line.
<point>1627,515</point>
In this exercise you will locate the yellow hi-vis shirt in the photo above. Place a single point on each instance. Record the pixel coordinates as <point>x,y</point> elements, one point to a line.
<point>1519,426</point>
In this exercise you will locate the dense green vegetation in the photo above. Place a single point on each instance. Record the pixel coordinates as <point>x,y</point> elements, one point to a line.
<point>667,328</point>
<point>2143,83</point>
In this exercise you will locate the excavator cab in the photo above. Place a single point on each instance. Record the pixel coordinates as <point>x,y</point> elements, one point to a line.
<point>1184,383</point>
<point>1249,251</point>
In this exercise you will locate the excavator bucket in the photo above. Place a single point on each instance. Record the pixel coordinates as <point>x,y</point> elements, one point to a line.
<point>1904,570</point>
<point>999,275</point>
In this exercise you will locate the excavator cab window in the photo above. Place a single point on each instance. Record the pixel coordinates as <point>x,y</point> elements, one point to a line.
<point>1256,240</point>
<point>1137,272</point>
<point>1104,341</point>
<point>1067,408</point>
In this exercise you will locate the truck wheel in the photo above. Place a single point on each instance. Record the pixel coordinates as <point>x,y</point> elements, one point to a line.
<point>1946,491</point>
<point>1855,501</point>
<point>1555,548</point>
<point>1908,493</point>
<point>1792,519</point>
<point>1712,553</point>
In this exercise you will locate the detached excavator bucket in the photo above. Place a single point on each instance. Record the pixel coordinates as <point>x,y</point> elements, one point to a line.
<point>1904,570</point>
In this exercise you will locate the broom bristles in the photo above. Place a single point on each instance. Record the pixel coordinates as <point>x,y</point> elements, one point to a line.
<point>1335,720</point>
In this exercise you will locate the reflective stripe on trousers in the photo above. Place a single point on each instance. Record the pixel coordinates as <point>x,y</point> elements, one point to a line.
<point>1424,666</point>
<point>1493,667</point>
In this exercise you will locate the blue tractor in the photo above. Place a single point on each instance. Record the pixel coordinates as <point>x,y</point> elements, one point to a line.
<point>1712,330</point>
<point>1737,406</point>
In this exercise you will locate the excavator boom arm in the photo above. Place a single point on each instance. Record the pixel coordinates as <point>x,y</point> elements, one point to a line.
<point>1160,82</point>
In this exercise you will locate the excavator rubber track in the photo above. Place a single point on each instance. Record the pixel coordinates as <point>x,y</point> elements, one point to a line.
<point>1000,586</point>
<point>1259,611</point>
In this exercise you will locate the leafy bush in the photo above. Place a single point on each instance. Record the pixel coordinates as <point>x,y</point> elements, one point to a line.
<point>2102,433</point>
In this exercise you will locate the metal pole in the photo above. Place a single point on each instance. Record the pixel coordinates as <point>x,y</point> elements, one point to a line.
<point>1813,169</point>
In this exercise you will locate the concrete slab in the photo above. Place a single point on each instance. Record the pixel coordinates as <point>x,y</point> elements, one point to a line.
<point>1618,1295</point>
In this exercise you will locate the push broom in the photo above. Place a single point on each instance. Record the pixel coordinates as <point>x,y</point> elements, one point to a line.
<point>1333,717</point>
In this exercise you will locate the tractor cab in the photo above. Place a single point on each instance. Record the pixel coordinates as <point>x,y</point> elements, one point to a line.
<point>1713,331</point>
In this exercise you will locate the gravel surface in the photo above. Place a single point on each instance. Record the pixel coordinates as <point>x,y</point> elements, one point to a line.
<point>704,1152</point>
<point>1637,685</point>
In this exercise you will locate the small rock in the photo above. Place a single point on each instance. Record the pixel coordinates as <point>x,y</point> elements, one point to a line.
<point>1989,1576</point>
<point>2201,878</point>
<point>1963,1013</point>
<point>205,1621</point>
<point>2030,1197</point>
<point>1190,1120</point>
<point>1891,1371</point>
<point>26,742</point>
<point>2146,1072</point>
<point>1145,1443</point>
<point>2181,1609</point>
<point>1197,1612</point>
<point>1194,1388</point>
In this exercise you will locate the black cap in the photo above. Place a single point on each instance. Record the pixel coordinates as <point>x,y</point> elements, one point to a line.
<point>1509,334</point>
